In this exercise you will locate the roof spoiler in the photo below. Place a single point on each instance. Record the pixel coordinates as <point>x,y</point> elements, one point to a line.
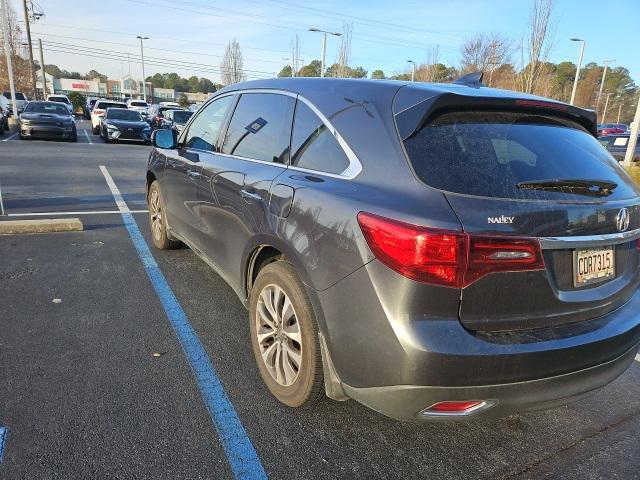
<point>473,79</point>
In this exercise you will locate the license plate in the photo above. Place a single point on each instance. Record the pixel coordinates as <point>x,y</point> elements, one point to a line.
<point>593,265</point>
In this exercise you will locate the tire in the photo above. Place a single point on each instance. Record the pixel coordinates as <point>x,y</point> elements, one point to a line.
<point>74,138</point>
<point>94,130</point>
<point>160,236</point>
<point>304,385</point>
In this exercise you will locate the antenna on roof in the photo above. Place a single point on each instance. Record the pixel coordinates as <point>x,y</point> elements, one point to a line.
<point>473,79</point>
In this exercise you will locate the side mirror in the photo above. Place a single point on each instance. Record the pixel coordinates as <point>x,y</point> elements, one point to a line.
<point>163,139</point>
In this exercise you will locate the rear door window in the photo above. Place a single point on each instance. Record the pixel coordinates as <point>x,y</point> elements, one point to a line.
<point>205,129</point>
<point>260,128</point>
<point>488,154</point>
<point>313,146</point>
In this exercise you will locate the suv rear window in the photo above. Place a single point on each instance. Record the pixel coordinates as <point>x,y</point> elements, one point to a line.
<point>138,104</point>
<point>487,154</point>
<point>19,96</point>
<point>105,105</point>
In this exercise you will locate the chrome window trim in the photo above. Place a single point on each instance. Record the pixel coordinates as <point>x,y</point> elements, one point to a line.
<point>354,168</point>
<point>560,243</point>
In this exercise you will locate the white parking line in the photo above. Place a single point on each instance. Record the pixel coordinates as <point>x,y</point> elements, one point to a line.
<point>638,357</point>
<point>54,214</point>
<point>10,137</point>
<point>88,137</point>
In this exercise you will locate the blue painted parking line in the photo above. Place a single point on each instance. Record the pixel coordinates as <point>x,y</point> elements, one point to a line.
<point>4,433</point>
<point>241,454</point>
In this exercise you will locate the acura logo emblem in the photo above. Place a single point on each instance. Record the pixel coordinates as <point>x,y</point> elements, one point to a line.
<point>622,219</point>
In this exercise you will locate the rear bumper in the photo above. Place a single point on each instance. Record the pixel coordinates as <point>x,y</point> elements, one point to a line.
<point>406,402</point>
<point>386,353</point>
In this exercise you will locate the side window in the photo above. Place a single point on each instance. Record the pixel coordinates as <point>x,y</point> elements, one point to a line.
<point>204,131</point>
<point>313,146</point>
<point>260,128</point>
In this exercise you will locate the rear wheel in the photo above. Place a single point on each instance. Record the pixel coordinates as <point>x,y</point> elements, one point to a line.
<point>157,219</point>
<point>284,336</point>
<point>95,130</point>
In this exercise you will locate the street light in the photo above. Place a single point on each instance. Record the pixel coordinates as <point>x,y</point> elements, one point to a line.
<point>324,45</point>
<point>144,85</point>
<point>413,69</point>
<point>575,81</point>
<point>604,75</point>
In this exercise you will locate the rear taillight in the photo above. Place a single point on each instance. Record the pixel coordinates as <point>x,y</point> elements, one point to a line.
<point>638,244</point>
<point>98,111</point>
<point>443,257</point>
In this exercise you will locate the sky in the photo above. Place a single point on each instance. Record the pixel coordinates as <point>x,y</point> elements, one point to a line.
<point>189,36</point>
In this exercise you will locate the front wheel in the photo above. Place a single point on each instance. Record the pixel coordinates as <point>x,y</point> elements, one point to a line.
<point>284,336</point>
<point>158,220</point>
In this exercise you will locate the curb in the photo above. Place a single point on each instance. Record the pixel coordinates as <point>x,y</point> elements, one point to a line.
<point>47,225</point>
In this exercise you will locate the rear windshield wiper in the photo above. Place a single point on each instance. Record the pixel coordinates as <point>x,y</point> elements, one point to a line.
<point>598,188</point>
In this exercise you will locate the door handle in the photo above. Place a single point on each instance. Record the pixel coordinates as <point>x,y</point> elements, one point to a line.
<point>250,196</point>
<point>193,174</point>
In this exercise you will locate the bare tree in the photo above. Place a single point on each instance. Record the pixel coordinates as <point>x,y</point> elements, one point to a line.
<point>232,64</point>
<point>427,71</point>
<point>21,64</point>
<point>537,45</point>
<point>484,53</point>
<point>344,54</point>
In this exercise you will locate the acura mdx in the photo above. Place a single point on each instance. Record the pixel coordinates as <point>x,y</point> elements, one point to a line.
<point>432,251</point>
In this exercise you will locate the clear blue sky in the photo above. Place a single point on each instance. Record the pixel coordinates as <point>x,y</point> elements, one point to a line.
<point>385,33</point>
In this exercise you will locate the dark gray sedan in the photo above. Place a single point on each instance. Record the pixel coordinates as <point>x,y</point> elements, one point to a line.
<point>616,145</point>
<point>431,251</point>
<point>47,120</point>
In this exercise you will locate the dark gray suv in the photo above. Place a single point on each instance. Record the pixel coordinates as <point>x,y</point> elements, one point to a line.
<point>432,251</point>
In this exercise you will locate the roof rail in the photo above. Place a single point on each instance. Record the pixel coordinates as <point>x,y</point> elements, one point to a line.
<point>473,79</point>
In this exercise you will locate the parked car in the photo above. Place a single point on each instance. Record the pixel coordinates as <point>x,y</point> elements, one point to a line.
<point>155,113</point>
<point>617,146</point>
<point>170,104</point>
<point>99,110</point>
<point>4,114</point>
<point>611,128</point>
<point>195,107</point>
<point>402,245</point>
<point>176,119</point>
<point>139,106</point>
<point>44,119</point>
<point>88,106</point>
<point>21,101</point>
<point>119,124</point>
<point>60,98</point>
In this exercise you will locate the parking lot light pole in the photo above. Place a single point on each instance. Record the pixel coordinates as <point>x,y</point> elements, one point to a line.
<point>633,138</point>
<point>144,83</point>
<point>413,69</point>
<point>575,81</point>
<point>324,45</point>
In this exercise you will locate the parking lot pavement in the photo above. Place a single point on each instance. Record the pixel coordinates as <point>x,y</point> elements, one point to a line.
<point>84,396</point>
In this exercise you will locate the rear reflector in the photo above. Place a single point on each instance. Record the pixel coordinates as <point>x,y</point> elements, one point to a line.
<point>638,244</point>
<point>443,257</point>
<point>457,408</point>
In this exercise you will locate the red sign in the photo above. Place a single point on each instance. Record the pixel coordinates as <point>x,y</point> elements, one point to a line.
<point>82,86</point>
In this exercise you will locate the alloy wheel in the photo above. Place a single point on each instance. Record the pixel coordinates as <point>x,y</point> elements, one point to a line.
<point>279,336</point>
<point>156,214</point>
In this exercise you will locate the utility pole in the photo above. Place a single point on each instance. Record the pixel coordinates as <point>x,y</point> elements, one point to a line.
<point>619,111</point>
<point>633,138</point>
<point>31,64</point>
<point>144,84</point>
<point>7,51</point>
<point>604,75</point>
<point>44,77</point>
<point>575,81</point>
<point>324,46</point>
<point>606,104</point>
<point>413,69</point>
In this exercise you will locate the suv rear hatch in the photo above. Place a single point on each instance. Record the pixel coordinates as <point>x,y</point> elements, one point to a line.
<point>531,170</point>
